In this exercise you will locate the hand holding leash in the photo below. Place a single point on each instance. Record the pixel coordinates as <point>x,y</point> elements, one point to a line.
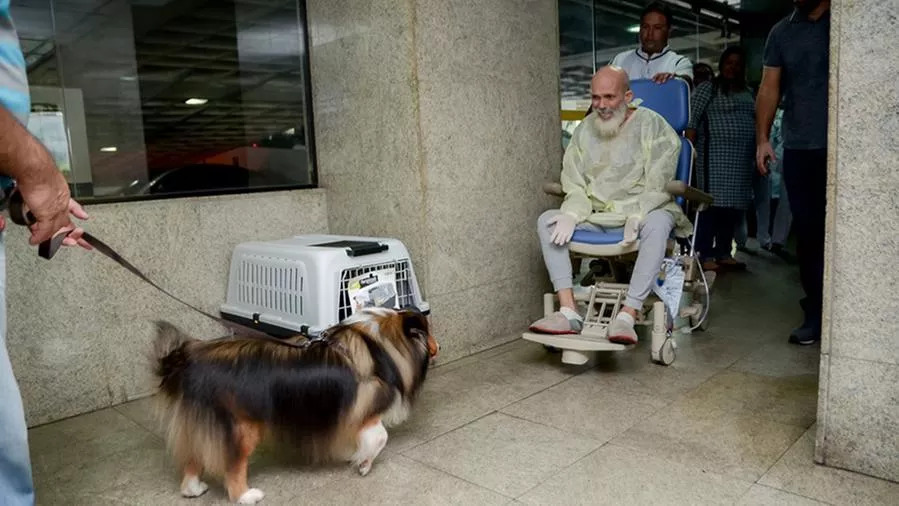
<point>42,223</point>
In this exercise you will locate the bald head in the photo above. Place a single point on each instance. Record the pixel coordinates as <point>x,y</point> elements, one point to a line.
<point>610,92</point>
<point>610,76</point>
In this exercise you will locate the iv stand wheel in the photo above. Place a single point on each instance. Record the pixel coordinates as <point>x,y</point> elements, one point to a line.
<point>666,353</point>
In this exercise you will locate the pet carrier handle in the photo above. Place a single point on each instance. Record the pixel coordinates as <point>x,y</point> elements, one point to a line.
<point>358,249</point>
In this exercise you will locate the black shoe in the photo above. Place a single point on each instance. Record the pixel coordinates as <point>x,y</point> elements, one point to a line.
<point>805,336</point>
<point>781,252</point>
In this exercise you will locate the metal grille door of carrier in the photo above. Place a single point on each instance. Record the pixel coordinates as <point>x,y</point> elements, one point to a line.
<point>404,291</point>
<point>274,285</point>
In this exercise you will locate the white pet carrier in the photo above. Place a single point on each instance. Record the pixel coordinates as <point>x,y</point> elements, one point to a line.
<point>307,283</point>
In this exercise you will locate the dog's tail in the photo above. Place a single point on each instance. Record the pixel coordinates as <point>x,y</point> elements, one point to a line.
<point>195,434</point>
<point>169,355</point>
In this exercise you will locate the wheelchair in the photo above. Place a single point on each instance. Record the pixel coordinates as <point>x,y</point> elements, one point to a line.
<point>687,291</point>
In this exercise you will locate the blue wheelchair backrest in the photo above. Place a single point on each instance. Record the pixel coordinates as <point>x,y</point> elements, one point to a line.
<point>672,101</point>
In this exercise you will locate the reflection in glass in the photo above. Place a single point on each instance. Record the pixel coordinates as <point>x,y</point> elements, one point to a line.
<point>169,96</point>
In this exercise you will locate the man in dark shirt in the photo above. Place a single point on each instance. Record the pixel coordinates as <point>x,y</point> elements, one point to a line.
<point>796,66</point>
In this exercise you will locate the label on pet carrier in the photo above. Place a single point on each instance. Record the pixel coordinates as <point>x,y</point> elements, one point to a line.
<point>373,289</point>
<point>670,285</point>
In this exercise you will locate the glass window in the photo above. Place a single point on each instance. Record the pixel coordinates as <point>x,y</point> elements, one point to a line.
<point>592,32</point>
<point>150,98</point>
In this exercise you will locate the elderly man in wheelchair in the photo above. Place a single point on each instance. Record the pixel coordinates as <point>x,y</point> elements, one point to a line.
<point>625,175</point>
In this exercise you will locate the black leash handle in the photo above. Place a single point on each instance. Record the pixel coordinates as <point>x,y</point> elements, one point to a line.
<point>20,215</point>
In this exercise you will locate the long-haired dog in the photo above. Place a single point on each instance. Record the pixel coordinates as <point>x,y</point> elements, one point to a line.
<point>329,398</point>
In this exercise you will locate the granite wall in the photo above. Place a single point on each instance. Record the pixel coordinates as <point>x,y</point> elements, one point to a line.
<point>858,404</point>
<point>436,123</point>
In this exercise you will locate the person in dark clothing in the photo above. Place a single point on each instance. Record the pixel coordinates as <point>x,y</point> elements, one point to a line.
<point>796,66</point>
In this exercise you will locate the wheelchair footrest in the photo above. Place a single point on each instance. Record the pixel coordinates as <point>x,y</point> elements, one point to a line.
<point>575,342</point>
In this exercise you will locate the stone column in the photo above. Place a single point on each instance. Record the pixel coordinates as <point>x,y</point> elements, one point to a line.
<point>858,403</point>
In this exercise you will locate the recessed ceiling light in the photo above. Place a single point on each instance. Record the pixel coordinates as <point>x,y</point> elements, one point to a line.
<point>634,28</point>
<point>109,149</point>
<point>196,101</point>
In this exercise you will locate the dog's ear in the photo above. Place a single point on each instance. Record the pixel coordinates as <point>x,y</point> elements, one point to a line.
<point>416,326</point>
<point>414,322</point>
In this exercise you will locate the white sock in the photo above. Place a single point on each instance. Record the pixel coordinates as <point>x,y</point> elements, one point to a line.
<point>569,313</point>
<point>626,317</point>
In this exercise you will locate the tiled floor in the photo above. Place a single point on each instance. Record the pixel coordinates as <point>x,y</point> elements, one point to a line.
<point>730,422</point>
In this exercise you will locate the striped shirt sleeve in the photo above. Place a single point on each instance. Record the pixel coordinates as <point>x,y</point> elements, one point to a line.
<point>14,94</point>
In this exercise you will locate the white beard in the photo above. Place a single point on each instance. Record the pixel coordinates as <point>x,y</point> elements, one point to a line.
<point>610,127</point>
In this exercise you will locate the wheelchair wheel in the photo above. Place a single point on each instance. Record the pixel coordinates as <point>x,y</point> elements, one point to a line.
<point>667,354</point>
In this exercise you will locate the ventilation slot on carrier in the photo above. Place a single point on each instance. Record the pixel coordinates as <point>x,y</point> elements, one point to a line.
<point>271,285</point>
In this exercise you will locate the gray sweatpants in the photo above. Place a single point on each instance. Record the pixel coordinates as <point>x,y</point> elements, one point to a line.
<point>654,234</point>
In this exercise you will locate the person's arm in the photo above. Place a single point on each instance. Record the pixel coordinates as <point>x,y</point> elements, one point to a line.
<point>765,108</point>
<point>574,185</point>
<point>683,69</point>
<point>22,157</point>
<point>661,146</point>
<point>768,98</point>
<point>699,103</point>
<point>44,189</point>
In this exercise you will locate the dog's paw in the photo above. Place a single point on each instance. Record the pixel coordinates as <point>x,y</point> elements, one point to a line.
<point>251,496</point>
<point>194,488</point>
<point>371,442</point>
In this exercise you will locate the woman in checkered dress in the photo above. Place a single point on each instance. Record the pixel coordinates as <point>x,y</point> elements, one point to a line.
<point>722,128</point>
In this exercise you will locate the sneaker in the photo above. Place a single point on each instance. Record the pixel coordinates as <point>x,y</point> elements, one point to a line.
<point>621,332</point>
<point>804,336</point>
<point>557,324</point>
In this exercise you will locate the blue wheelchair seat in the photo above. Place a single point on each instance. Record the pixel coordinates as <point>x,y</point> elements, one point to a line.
<point>607,236</point>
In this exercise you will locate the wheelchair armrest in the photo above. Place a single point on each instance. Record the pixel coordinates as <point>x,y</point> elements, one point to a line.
<point>680,189</point>
<point>554,189</point>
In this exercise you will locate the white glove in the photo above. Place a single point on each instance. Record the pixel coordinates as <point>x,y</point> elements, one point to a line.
<point>563,229</point>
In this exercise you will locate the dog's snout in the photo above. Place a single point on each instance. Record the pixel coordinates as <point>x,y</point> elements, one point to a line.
<point>433,346</point>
